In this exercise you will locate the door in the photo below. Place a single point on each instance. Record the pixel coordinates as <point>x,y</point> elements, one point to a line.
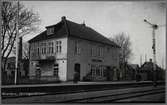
<point>77,69</point>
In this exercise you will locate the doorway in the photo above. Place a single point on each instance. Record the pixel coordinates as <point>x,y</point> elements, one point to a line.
<point>77,69</point>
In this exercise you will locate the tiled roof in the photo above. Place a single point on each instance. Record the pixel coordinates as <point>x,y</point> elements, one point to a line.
<point>75,30</point>
<point>59,32</point>
<point>149,66</point>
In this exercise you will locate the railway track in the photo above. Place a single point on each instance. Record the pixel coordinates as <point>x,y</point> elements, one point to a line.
<point>115,98</point>
<point>20,91</point>
<point>100,96</point>
<point>30,91</point>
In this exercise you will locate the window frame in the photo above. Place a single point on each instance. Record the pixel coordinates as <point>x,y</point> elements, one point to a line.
<point>50,31</point>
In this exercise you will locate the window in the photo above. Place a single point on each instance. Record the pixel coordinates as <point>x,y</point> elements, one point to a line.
<point>41,46</point>
<point>101,70</point>
<point>58,47</point>
<point>93,70</point>
<point>47,47</point>
<point>93,51</point>
<point>50,31</point>
<point>101,51</point>
<point>35,49</point>
<point>38,50</point>
<point>96,51</point>
<point>56,70</point>
<point>44,48</point>
<point>77,49</point>
<point>97,70</point>
<point>50,48</point>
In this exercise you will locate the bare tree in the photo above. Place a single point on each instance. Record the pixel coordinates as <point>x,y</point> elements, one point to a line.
<point>28,22</point>
<point>124,42</point>
<point>25,50</point>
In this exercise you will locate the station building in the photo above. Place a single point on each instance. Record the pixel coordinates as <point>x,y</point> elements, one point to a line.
<point>68,47</point>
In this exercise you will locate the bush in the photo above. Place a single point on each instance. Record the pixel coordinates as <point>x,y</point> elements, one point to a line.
<point>86,79</point>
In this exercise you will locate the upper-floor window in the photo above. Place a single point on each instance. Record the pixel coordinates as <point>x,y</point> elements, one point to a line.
<point>50,30</point>
<point>101,51</point>
<point>38,48</point>
<point>58,46</point>
<point>44,51</point>
<point>77,49</point>
<point>35,48</point>
<point>97,51</point>
<point>50,48</point>
<point>94,51</point>
<point>38,51</point>
<point>43,48</point>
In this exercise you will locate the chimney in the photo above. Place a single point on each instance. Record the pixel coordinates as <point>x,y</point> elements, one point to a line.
<point>150,60</point>
<point>83,23</point>
<point>63,18</point>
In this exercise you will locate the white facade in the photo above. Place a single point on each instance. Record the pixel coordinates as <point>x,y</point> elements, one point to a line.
<point>47,59</point>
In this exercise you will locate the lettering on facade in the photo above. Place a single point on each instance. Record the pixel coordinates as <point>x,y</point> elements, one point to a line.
<point>97,60</point>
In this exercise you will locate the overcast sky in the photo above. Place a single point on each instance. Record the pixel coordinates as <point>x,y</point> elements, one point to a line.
<point>110,18</point>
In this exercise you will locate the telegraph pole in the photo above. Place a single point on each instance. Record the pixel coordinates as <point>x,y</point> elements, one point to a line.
<point>0,40</point>
<point>17,38</point>
<point>154,27</point>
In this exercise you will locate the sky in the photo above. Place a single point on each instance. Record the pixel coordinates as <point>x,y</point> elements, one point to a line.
<point>111,18</point>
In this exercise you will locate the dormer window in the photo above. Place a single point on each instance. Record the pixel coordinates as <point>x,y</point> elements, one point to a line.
<point>50,31</point>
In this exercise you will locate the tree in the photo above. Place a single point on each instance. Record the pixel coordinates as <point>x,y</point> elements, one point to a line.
<point>124,42</point>
<point>25,50</point>
<point>28,22</point>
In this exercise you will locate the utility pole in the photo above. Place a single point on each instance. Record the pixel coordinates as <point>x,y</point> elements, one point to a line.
<point>154,27</point>
<point>17,38</point>
<point>0,40</point>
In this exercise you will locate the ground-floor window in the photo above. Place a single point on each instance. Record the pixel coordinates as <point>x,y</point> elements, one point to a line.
<point>97,70</point>
<point>38,72</point>
<point>56,70</point>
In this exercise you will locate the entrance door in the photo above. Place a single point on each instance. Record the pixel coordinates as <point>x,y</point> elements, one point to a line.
<point>77,69</point>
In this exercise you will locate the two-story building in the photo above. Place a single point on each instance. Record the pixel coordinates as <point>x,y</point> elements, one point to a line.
<point>68,47</point>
